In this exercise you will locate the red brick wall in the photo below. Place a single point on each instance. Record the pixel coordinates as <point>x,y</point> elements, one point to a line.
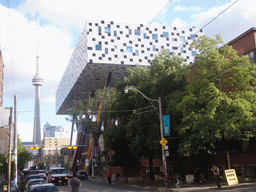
<point>245,44</point>
<point>1,77</point>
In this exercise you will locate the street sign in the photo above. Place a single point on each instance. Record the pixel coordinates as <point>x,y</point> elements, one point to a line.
<point>163,142</point>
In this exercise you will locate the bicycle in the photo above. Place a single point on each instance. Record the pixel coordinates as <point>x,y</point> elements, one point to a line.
<point>179,182</point>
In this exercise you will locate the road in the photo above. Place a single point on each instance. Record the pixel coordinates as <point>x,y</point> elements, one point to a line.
<point>92,186</point>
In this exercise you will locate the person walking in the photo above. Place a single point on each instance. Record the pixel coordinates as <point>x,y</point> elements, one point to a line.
<point>216,173</point>
<point>75,183</point>
<point>109,175</point>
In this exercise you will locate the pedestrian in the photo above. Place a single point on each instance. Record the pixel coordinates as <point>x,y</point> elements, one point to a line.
<point>75,183</point>
<point>216,175</point>
<point>109,175</point>
<point>117,176</point>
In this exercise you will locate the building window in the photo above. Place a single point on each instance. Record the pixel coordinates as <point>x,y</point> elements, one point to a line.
<point>130,31</point>
<point>98,47</point>
<point>193,53</point>
<point>136,52</point>
<point>166,34</point>
<point>182,38</point>
<point>107,29</point>
<point>192,36</point>
<point>144,35</point>
<point>154,36</point>
<point>251,56</point>
<point>115,33</point>
<point>181,50</point>
<point>137,32</point>
<point>106,50</point>
<point>129,49</point>
<point>99,29</point>
<point>154,48</point>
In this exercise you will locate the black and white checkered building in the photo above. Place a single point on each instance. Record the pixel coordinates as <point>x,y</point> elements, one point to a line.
<point>105,47</point>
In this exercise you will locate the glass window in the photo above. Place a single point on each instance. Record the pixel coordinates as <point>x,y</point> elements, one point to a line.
<point>106,50</point>
<point>251,56</point>
<point>98,47</point>
<point>182,38</point>
<point>115,33</point>
<point>192,36</point>
<point>144,35</point>
<point>154,48</point>
<point>166,34</point>
<point>129,49</point>
<point>115,46</point>
<point>107,29</point>
<point>154,36</point>
<point>136,52</point>
<point>193,53</point>
<point>130,31</point>
<point>99,29</point>
<point>137,32</point>
<point>181,50</point>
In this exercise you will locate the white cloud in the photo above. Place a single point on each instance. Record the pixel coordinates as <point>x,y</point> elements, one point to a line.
<point>25,131</point>
<point>236,20</point>
<point>177,22</point>
<point>191,8</point>
<point>19,41</point>
<point>74,14</point>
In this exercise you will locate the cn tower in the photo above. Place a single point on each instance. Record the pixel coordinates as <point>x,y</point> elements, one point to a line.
<point>37,81</point>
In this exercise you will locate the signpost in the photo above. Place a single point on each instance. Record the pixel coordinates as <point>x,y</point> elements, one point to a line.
<point>231,177</point>
<point>163,142</point>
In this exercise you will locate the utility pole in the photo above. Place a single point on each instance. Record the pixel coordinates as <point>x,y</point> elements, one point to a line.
<point>15,178</point>
<point>9,153</point>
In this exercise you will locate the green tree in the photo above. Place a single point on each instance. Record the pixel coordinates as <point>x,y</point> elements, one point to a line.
<point>138,119</point>
<point>218,106</point>
<point>23,155</point>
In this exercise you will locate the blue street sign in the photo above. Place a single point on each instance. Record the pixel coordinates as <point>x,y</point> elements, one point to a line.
<point>166,124</point>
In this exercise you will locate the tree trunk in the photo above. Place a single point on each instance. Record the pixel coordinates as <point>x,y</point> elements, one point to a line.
<point>151,174</point>
<point>228,160</point>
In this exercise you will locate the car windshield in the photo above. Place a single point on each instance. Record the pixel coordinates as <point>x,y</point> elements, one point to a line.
<point>44,189</point>
<point>33,177</point>
<point>36,182</point>
<point>59,171</point>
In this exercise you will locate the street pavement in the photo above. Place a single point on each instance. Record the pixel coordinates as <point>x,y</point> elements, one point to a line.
<point>170,187</point>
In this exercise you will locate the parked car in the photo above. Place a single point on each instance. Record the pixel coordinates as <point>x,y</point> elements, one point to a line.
<point>49,187</point>
<point>58,175</point>
<point>42,173</point>
<point>26,179</point>
<point>70,174</point>
<point>81,175</point>
<point>34,182</point>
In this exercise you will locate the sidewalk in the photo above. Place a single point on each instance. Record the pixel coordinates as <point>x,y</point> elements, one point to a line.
<point>158,186</point>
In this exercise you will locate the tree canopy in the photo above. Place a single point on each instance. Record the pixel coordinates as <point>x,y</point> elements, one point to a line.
<point>219,102</point>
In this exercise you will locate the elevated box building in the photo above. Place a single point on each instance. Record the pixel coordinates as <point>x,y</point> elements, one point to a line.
<point>105,47</point>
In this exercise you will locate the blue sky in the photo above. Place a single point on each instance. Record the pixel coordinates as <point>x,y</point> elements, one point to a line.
<point>55,25</point>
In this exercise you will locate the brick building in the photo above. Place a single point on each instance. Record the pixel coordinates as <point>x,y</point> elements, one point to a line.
<point>1,77</point>
<point>245,44</point>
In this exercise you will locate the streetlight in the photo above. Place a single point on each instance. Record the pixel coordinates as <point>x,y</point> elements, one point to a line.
<point>161,124</point>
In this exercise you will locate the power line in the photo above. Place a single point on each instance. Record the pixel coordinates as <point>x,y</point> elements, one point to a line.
<point>211,21</point>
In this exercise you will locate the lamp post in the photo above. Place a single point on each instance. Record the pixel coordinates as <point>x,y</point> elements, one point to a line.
<point>161,125</point>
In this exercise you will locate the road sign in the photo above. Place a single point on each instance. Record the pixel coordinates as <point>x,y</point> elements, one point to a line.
<point>163,141</point>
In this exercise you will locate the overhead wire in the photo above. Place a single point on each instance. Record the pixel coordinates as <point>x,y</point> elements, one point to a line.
<point>210,22</point>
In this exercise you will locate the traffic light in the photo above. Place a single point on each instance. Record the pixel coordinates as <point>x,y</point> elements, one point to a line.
<point>72,147</point>
<point>34,147</point>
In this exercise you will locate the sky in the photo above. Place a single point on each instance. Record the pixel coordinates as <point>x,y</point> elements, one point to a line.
<point>51,28</point>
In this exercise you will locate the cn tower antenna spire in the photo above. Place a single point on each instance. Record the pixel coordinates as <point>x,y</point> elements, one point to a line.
<point>37,64</point>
